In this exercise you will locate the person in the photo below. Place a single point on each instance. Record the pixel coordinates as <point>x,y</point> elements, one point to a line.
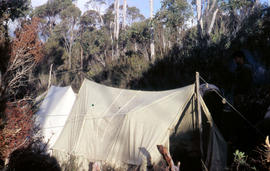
<point>243,74</point>
<point>242,77</point>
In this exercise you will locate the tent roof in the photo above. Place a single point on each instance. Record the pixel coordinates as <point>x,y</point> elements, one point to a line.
<point>124,126</point>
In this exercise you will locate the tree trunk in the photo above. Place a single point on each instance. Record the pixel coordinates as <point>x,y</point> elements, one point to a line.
<point>71,41</point>
<point>163,41</point>
<point>81,57</point>
<point>50,77</point>
<point>152,45</point>
<point>124,13</point>
<point>212,21</point>
<point>111,34</point>
<point>116,27</point>
<point>135,47</point>
<point>199,16</point>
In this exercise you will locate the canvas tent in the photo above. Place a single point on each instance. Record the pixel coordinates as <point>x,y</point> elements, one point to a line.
<point>53,112</point>
<point>118,127</point>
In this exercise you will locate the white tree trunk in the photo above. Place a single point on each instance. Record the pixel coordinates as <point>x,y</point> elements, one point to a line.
<point>81,57</point>
<point>135,47</point>
<point>213,5</point>
<point>50,77</point>
<point>212,21</point>
<point>163,40</point>
<point>124,13</point>
<point>71,41</point>
<point>117,19</point>
<point>199,14</point>
<point>116,27</point>
<point>111,35</point>
<point>152,45</point>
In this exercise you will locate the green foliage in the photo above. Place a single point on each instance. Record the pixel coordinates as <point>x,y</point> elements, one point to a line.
<point>49,13</point>
<point>71,13</point>
<point>240,158</point>
<point>95,43</point>
<point>51,8</point>
<point>134,15</point>
<point>53,54</point>
<point>174,13</point>
<point>120,73</point>
<point>89,20</point>
<point>138,32</point>
<point>240,162</point>
<point>232,5</point>
<point>13,9</point>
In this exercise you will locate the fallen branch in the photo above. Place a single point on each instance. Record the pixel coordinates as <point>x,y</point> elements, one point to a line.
<point>167,157</point>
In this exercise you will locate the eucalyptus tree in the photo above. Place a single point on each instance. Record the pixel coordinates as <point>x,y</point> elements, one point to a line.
<point>124,13</point>
<point>94,39</point>
<point>152,45</point>
<point>116,28</point>
<point>232,11</point>
<point>97,6</point>
<point>67,29</point>
<point>237,11</point>
<point>50,15</point>
<point>134,15</point>
<point>171,20</point>
<point>138,35</point>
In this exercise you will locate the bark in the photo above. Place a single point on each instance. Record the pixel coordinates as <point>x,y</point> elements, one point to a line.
<point>70,46</point>
<point>212,21</point>
<point>101,19</point>
<point>124,13</point>
<point>81,57</point>
<point>111,35</point>
<point>69,41</point>
<point>50,77</point>
<point>167,157</point>
<point>199,15</point>
<point>213,5</point>
<point>116,27</point>
<point>135,47</point>
<point>152,45</point>
<point>163,41</point>
<point>116,19</point>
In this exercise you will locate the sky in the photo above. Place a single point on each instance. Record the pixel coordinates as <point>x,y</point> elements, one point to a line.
<point>143,5</point>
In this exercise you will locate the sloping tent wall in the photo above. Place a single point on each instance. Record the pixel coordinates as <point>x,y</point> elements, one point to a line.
<point>117,126</point>
<point>53,112</point>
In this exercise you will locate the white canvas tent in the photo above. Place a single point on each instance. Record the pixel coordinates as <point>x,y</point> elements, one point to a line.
<point>53,112</point>
<point>117,126</point>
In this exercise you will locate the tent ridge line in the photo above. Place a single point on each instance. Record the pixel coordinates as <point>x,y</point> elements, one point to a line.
<point>154,102</point>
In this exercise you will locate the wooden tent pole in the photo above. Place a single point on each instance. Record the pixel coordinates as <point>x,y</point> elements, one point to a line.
<point>199,111</point>
<point>50,76</point>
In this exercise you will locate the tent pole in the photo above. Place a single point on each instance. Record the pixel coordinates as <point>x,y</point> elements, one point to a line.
<point>50,77</point>
<point>199,111</point>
